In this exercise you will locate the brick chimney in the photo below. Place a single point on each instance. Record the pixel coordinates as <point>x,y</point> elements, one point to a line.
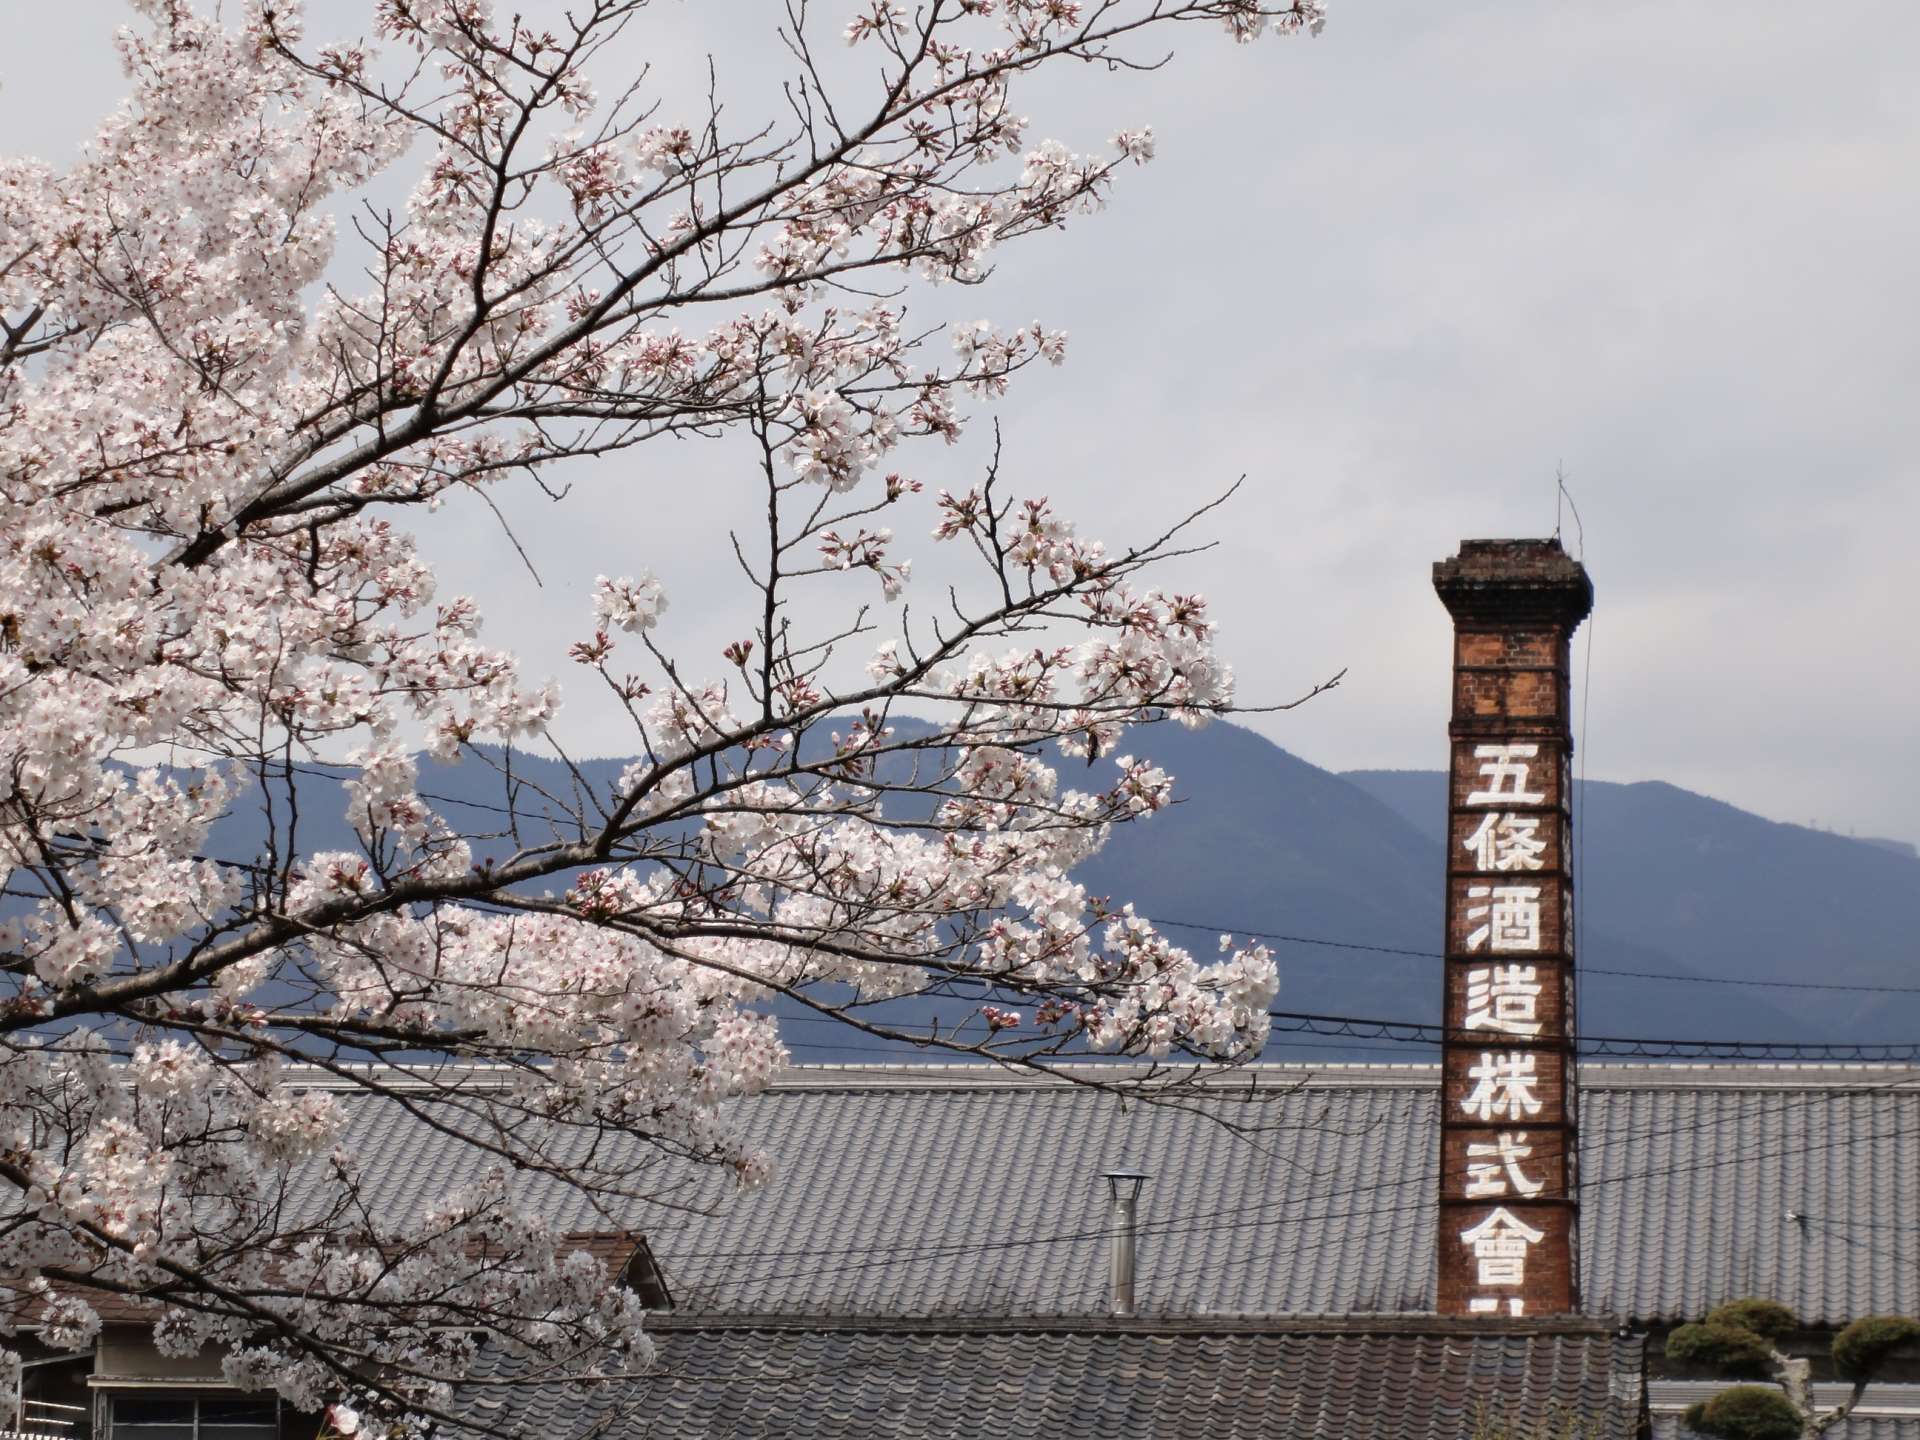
<point>1509,1111</point>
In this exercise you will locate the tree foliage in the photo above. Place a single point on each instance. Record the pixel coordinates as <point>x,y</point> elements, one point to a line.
<point>1746,1412</point>
<point>1723,1349</point>
<point>1863,1347</point>
<point>219,426</point>
<point>1768,1319</point>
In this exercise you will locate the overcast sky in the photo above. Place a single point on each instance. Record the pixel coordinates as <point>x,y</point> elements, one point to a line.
<point>1396,276</point>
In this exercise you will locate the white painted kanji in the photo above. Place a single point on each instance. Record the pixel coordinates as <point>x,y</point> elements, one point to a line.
<point>1500,1244</point>
<point>1490,1305</point>
<point>1504,998</point>
<point>1509,920</point>
<point>1505,774</point>
<point>1493,1171</point>
<point>1506,841</point>
<point>1503,1089</point>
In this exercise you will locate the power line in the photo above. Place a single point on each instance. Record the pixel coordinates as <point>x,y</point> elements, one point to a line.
<point>1352,1033</point>
<point>1831,1223</point>
<point>1604,1046</point>
<point>1586,734</point>
<point>1897,1257</point>
<point>1581,971</point>
<point>1321,940</point>
<point>1242,1217</point>
<point>1376,1032</point>
<point>1234,1216</point>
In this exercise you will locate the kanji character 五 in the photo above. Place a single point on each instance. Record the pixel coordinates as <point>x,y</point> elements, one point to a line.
<point>1505,774</point>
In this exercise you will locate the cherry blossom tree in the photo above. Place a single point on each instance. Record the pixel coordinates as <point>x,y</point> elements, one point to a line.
<point>232,388</point>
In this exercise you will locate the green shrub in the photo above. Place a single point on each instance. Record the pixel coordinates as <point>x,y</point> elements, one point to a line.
<point>1746,1412</point>
<point>1859,1349</point>
<point>1722,1349</point>
<point>1768,1318</point>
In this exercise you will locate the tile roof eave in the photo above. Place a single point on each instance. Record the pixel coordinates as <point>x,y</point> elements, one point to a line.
<point>1381,1324</point>
<point>1608,1075</point>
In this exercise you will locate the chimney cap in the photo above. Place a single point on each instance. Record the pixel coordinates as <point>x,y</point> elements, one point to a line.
<point>1514,580</point>
<point>1133,1179</point>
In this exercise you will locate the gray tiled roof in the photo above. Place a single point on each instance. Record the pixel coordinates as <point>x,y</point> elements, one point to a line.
<point>1688,1193</point>
<point>933,1384</point>
<point>934,1191</point>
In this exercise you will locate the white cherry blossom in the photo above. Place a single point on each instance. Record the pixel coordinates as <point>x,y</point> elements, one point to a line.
<point>229,398</point>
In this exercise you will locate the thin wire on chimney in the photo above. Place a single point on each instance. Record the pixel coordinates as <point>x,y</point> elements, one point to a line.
<point>1580,748</point>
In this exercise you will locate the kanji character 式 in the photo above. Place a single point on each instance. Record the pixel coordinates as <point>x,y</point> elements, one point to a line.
<point>1492,1168</point>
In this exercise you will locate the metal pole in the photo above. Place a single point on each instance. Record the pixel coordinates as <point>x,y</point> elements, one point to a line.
<point>1123,1236</point>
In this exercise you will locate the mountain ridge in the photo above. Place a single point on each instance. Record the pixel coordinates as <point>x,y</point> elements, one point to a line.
<point>1348,869</point>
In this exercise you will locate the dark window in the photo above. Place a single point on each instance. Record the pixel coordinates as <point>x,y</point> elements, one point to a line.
<point>165,1415</point>
<point>239,1417</point>
<point>54,1400</point>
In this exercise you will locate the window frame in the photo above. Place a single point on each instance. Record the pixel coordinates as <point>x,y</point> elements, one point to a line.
<point>197,1397</point>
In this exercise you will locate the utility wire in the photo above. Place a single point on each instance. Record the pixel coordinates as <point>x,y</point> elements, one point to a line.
<point>1352,1033</point>
<point>1586,732</point>
<point>1580,971</point>
<point>1318,940</point>
<point>1331,944</point>
<point>1243,1217</point>
<point>1237,1217</point>
<point>1377,1031</point>
<point>1615,1046</point>
<point>1743,1153</point>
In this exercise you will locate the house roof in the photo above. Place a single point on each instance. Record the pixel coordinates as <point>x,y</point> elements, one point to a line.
<point>903,1199</point>
<point>949,1379</point>
<point>955,1191</point>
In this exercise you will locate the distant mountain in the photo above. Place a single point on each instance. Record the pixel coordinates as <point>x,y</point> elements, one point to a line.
<point>1898,847</point>
<point>1671,884</point>
<point>1265,841</point>
<point>1714,890</point>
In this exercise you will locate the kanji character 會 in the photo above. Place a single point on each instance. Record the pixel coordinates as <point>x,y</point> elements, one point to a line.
<point>1500,1243</point>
